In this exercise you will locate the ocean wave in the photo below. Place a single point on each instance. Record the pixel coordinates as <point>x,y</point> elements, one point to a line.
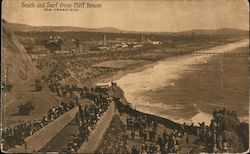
<point>138,85</point>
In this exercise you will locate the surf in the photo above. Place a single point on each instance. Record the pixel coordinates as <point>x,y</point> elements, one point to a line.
<point>139,86</point>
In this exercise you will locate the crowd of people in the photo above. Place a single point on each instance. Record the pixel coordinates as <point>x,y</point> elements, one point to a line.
<point>62,90</point>
<point>214,136</point>
<point>142,124</point>
<point>16,136</point>
<point>115,139</point>
<point>162,143</point>
<point>88,116</point>
<point>147,130</point>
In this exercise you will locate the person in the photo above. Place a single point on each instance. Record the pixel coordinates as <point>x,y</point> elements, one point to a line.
<point>219,141</point>
<point>153,135</point>
<point>132,134</point>
<point>150,134</point>
<point>192,151</point>
<point>215,114</point>
<point>225,147</point>
<point>81,112</point>
<point>158,149</point>
<point>187,139</point>
<point>141,134</point>
<point>165,148</point>
<point>134,150</point>
<point>215,148</point>
<point>76,99</point>
<point>143,151</point>
<point>151,148</point>
<point>144,136</point>
<point>126,147</point>
<point>159,140</point>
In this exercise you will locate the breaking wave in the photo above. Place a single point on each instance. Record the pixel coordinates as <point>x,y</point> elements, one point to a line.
<point>139,86</point>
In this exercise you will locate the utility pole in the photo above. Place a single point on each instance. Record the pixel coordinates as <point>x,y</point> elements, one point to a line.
<point>7,73</point>
<point>26,69</point>
<point>221,77</point>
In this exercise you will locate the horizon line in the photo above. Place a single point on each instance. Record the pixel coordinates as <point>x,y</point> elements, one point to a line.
<point>122,30</point>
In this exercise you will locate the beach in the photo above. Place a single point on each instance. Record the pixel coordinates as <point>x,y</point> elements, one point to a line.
<point>187,88</point>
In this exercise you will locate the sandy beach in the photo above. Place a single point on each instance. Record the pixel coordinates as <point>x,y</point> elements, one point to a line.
<point>142,85</point>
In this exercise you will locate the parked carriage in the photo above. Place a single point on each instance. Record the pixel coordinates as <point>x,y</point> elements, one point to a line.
<point>25,109</point>
<point>38,85</point>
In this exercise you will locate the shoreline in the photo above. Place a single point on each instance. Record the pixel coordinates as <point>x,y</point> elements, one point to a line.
<point>107,78</point>
<point>138,68</point>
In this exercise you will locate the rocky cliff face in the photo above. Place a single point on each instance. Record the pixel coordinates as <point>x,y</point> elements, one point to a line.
<point>15,59</point>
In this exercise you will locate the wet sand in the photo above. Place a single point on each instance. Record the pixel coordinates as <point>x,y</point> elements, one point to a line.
<point>184,87</point>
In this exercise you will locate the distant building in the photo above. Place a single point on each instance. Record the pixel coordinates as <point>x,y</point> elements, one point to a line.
<point>69,46</point>
<point>155,42</point>
<point>39,56</point>
<point>122,45</point>
<point>149,42</point>
<point>63,46</point>
<point>137,46</point>
<point>54,45</point>
<point>39,52</point>
<point>40,49</point>
<point>102,48</point>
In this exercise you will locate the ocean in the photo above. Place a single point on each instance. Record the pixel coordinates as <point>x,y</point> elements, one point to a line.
<point>188,88</point>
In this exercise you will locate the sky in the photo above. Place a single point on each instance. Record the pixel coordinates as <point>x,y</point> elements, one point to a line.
<point>135,15</point>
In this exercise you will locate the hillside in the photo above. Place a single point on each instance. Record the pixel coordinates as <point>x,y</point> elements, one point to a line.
<point>15,27</point>
<point>222,31</point>
<point>15,56</point>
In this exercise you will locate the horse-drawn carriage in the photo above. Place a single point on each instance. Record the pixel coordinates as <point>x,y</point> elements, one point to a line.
<point>25,109</point>
<point>38,85</point>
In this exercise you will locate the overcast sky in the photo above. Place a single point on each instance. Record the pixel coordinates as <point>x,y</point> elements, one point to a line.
<point>138,15</point>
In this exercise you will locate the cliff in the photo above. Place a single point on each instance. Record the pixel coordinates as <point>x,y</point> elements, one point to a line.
<point>15,59</point>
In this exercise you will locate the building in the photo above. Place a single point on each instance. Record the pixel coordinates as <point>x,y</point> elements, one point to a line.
<point>122,45</point>
<point>40,49</point>
<point>138,46</point>
<point>38,56</point>
<point>69,46</point>
<point>63,46</point>
<point>54,45</point>
<point>155,42</point>
<point>102,48</point>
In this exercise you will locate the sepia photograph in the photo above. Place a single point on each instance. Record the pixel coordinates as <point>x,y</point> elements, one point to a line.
<point>125,76</point>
